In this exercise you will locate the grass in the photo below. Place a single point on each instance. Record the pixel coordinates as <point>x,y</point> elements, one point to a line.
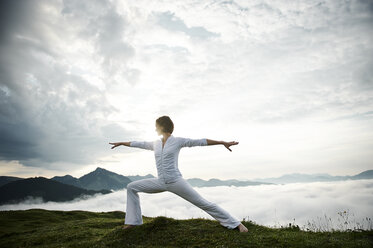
<point>49,228</point>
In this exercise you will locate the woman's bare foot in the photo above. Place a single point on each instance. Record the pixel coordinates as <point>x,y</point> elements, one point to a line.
<point>242,228</point>
<point>128,226</point>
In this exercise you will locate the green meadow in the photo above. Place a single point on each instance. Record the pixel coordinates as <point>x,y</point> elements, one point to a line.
<point>49,228</point>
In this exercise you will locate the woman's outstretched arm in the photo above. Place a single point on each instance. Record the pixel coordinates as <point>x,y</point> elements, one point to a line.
<point>188,142</point>
<point>115,144</point>
<point>148,145</point>
<point>226,144</point>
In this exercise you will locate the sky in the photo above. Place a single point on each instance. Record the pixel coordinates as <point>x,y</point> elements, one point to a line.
<point>318,205</point>
<point>290,81</point>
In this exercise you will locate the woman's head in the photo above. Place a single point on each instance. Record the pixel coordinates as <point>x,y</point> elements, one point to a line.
<point>164,124</point>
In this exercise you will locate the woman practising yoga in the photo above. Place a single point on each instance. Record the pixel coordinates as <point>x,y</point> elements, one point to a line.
<point>166,152</point>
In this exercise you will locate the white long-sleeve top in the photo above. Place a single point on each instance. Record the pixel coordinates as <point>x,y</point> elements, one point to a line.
<point>166,158</point>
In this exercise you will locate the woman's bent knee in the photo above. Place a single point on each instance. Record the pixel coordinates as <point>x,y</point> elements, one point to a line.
<point>130,186</point>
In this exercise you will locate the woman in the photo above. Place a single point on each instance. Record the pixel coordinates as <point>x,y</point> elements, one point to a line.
<point>166,152</point>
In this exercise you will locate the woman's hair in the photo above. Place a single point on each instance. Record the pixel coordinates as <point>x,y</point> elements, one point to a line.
<point>166,123</point>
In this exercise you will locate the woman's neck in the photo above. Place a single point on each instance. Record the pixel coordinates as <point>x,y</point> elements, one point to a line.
<point>165,137</point>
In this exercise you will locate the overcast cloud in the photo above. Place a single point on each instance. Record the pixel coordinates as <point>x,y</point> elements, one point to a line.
<point>291,81</point>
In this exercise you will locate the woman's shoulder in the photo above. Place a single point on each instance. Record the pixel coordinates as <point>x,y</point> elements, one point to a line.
<point>178,138</point>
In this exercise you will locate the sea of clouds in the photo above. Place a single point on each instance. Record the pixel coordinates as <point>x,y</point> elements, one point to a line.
<point>320,204</point>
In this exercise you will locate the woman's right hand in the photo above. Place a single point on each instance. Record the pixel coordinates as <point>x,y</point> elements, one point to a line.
<point>115,144</point>
<point>228,144</point>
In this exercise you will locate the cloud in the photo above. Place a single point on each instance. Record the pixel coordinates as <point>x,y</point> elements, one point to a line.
<point>170,22</point>
<point>270,205</point>
<point>86,74</point>
<point>50,116</point>
<point>100,23</point>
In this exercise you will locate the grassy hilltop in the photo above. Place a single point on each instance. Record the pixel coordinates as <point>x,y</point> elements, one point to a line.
<point>48,228</point>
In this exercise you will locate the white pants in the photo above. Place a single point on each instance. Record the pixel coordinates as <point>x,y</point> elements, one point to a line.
<point>180,187</point>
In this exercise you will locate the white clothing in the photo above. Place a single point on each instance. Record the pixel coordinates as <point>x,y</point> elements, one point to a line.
<point>166,157</point>
<point>170,179</point>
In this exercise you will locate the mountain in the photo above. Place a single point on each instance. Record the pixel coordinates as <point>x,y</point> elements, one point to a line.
<point>364,175</point>
<point>197,182</point>
<point>137,177</point>
<point>48,189</point>
<point>317,177</point>
<point>97,180</point>
<point>67,179</point>
<point>5,179</point>
<point>104,179</point>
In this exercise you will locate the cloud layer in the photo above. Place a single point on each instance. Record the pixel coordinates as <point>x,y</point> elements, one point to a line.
<point>305,204</point>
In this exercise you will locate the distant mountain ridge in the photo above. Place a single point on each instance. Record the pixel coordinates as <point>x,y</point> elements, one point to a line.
<point>197,182</point>
<point>8,179</point>
<point>317,177</point>
<point>101,178</point>
<point>98,179</point>
<point>137,177</point>
<point>47,189</point>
